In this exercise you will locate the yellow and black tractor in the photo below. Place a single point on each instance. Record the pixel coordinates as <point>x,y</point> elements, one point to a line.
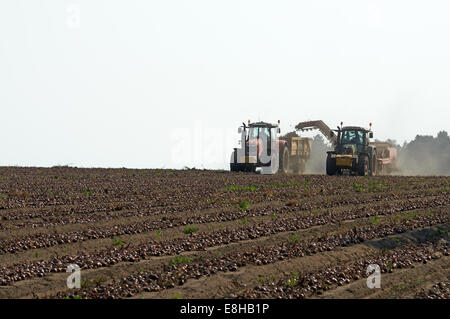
<point>352,152</point>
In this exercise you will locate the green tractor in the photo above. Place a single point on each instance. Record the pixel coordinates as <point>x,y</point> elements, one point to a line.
<point>352,152</point>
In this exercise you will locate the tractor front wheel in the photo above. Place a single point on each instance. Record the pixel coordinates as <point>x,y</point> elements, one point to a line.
<point>331,165</point>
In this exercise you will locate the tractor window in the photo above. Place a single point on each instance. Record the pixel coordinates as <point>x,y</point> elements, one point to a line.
<point>252,133</point>
<point>255,132</point>
<point>359,137</point>
<point>348,137</point>
<point>352,137</point>
<point>264,133</point>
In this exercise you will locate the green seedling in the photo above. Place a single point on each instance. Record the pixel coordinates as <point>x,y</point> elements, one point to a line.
<point>190,229</point>
<point>294,239</point>
<point>375,220</point>
<point>244,205</point>
<point>118,242</point>
<point>179,260</point>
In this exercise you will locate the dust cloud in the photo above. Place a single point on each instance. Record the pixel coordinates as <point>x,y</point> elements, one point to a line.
<point>319,147</point>
<point>425,155</point>
<point>317,162</point>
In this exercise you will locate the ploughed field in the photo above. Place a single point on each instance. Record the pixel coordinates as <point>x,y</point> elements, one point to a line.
<point>215,234</point>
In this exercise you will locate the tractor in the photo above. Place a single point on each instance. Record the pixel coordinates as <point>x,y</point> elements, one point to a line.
<point>261,147</point>
<point>353,152</point>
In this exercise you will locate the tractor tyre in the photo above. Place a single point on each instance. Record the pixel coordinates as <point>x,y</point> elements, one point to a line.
<point>331,165</point>
<point>234,166</point>
<point>284,160</point>
<point>363,165</point>
<point>373,166</point>
<point>250,168</point>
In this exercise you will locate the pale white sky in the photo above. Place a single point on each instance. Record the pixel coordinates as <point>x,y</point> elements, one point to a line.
<point>118,88</point>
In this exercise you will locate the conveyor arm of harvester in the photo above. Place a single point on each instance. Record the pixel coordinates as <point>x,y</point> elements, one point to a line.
<point>321,126</point>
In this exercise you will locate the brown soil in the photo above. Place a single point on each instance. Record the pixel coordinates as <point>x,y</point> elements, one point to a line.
<point>213,234</point>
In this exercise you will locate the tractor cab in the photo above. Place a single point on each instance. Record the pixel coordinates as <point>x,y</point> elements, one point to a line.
<point>258,147</point>
<point>352,140</point>
<point>259,135</point>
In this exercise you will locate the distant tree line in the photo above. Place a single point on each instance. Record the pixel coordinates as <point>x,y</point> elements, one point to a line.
<point>425,155</point>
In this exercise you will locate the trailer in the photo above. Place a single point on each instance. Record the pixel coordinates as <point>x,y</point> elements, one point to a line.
<point>386,157</point>
<point>299,152</point>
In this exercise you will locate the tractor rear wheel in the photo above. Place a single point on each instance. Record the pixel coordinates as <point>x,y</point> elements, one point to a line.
<point>284,160</point>
<point>373,166</point>
<point>363,165</point>
<point>331,165</point>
